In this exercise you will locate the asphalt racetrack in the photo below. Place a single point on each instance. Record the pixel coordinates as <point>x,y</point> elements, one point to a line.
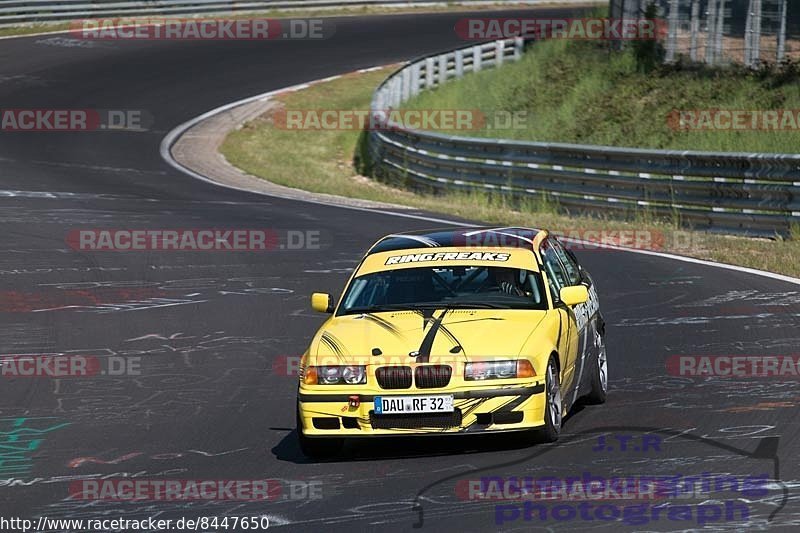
<point>213,336</point>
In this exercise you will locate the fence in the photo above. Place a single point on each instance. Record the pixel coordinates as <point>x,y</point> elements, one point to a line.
<point>755,194</point>
<point>720,31</point>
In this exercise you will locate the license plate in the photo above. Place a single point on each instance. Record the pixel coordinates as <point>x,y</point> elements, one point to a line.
<point>393,405</point>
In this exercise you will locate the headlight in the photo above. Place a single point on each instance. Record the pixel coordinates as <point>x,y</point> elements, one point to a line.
<point>354,375</point>
<point>329,375</point>
<point>335,375</point>
<point>498,370</point>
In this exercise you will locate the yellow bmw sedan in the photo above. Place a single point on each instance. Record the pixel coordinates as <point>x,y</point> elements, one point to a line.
<point>453,331</point>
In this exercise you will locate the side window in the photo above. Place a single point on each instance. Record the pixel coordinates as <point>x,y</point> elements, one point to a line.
<point>570,266</point>
<point>554,270</point>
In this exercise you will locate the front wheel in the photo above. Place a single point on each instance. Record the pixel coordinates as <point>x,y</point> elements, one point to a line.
<point>323,448</point>
<point>553,407</point>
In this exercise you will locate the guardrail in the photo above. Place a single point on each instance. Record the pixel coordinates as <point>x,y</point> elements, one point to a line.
<point>13,12</point>
<point>754,194</point>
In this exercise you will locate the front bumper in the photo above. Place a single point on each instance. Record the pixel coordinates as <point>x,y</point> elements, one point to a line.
<point>484,409</point>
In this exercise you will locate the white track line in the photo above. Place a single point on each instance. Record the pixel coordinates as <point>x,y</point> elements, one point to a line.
<point>172,137</point>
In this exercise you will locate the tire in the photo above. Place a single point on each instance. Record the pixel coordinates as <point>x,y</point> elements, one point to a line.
<point>321,448</point>
<point>554,405</point>
<point>599,379</point>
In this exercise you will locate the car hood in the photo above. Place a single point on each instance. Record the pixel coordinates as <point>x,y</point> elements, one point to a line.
<point>438,335</point>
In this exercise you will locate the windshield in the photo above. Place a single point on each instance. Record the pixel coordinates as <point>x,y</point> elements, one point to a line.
<point>476,287</point>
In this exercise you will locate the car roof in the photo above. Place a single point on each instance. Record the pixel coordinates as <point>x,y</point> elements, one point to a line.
<point>457,237</point>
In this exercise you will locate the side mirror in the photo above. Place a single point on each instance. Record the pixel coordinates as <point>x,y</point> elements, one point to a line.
<point>577,294</point>
<point>322,302</point>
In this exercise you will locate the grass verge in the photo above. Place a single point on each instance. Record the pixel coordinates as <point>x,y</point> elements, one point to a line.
<point>577,92</point>
<point>322,161</point>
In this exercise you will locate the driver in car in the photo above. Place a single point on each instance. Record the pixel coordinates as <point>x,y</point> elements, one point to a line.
<point>508,281</point>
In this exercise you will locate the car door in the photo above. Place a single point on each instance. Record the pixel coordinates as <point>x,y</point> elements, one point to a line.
<point>558,278</point>
<point>585,314</point>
